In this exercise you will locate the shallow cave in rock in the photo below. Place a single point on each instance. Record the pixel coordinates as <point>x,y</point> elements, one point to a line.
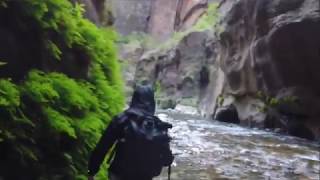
<point>295,50</point>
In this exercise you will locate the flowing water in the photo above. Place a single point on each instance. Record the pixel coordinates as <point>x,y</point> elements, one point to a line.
<point>206,150</point>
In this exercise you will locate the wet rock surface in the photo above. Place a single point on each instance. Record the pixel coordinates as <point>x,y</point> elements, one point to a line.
<point>207,150</point>
<point>182,71</point>
<point>270,47</point>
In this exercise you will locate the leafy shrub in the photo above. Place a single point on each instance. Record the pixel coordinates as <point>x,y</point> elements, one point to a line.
<point>49,122</point>
<point>273,102</point>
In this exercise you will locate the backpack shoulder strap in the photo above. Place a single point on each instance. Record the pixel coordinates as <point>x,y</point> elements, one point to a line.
<point>112,153</point>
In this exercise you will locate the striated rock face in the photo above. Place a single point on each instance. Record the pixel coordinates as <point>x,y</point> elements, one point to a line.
<point>189,12</point>
<point>159,18</point>
<point>168,16</point>
<point>272,47</point>
<point>182,72</point>
<point>131,15</point>
<point>163,17</point>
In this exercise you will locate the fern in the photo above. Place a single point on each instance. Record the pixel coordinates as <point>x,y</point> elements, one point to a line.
<point>56,52</point>
<point>39,89</point>
<point>60,122</point>
<point>49,121</point>
<point>9,94</point>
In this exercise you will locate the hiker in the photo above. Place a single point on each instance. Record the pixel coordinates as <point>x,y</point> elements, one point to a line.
<point>141,141</point>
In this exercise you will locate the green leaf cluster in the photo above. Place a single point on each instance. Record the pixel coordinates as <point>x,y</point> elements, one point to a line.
<point>49,122</point>
<point>273,102</point>
<point>9,94</point>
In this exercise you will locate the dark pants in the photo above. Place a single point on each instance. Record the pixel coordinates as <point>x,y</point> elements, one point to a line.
<point>113,176</point>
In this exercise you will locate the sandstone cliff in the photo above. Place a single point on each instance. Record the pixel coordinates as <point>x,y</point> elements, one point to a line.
<point>262,59</point>
<point>159,18</point>
<point>269,53</point>
<point>182,72</point>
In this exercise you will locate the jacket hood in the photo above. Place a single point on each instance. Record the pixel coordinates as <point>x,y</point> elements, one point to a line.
<point>143,99</point>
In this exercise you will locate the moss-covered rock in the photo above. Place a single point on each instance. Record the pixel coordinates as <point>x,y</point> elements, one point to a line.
<point>60,85</point>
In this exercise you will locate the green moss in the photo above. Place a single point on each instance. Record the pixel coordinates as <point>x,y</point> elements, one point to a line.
<point>273,102</point>
<point>220,100</point>
<point>49,122</point>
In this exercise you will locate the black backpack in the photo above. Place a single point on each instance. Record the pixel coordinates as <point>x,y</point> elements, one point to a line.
<point>146,145</point>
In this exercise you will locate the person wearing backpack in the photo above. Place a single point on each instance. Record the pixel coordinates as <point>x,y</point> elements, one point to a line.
<point>141,141</point>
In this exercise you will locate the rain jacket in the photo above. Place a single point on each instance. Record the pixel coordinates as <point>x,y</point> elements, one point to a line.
<point>143,103</point>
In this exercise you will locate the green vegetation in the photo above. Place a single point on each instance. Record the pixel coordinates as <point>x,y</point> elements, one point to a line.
<point>272,102</point>
<point>49,122</point>
<point>209,20</point>
<point>220,100</point>
<point>157,87</point>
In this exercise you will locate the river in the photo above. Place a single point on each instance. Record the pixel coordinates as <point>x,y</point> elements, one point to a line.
<point>208,150</point>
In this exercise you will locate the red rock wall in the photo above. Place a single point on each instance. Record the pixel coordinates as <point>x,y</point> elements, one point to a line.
<point>168,16</point>
<point>190,12</point>
<point>163,16</point>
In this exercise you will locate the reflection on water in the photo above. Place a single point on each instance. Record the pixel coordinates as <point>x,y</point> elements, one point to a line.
<point>208,150</point>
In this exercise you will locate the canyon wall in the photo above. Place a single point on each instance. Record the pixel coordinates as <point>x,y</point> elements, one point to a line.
<point>158,18</point>
<point>261,60</point>
<point>269,53</point>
